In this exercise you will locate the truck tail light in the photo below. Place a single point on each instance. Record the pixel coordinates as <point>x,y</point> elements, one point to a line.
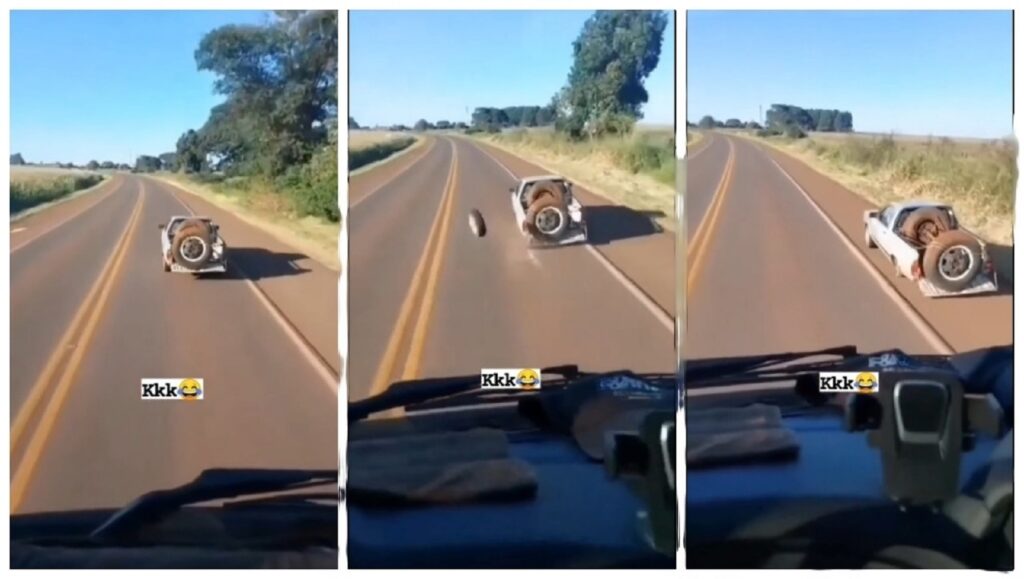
<point>915,270</point>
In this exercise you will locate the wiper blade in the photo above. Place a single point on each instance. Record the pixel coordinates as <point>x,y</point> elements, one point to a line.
<point>703,373</point>
<point>410,392</point>
<point>210,485</point>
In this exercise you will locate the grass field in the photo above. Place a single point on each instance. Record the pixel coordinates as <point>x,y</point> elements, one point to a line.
<point>261,205</point>
<point>977,177</point>
<point>637,170</point>
<point>35,185</point>
<point>368,147</point>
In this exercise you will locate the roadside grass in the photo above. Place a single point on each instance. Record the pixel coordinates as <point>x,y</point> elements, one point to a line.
<point>32,186</point>
<point>367,147</point>
<point>636,170</point>
<point>261,203</point>
<point>977,177</point>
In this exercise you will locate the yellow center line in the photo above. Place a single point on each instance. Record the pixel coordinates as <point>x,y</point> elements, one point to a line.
<point>698,248</point>
<point>37,442</point>
<point>386,369</point>
<point>419,335</point>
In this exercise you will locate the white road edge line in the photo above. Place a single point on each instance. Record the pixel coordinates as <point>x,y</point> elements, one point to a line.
<point>326,373</point>
<point>430,147</point>
<point>706,137</point>
<point>663,318</point>
<point>69,218</point>
<point>922,325</point>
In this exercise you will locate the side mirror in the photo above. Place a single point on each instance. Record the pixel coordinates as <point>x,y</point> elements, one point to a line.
<point>511,189</point>
<point>161,226</point>
<point>477,224</point>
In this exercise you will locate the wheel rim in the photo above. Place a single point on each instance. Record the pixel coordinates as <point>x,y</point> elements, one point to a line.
<point>955,263</point>
<point>549,220</point>
<point>192,249</point>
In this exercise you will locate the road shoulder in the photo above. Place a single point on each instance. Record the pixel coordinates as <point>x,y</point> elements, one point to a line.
<point>317,238</point>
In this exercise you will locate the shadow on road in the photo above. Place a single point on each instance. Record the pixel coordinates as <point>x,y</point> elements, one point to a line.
<point>610,223</point>
<point>256,263</point>
<point>1002,259</point>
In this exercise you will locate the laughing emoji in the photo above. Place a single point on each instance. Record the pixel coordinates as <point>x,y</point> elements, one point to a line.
<point>190,389</point>
<point>528,379</point>
<point>867,382</point>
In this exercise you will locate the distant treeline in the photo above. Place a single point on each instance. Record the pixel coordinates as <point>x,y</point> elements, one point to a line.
<point>789,120</point>
<point>492,119</point>
<point>18,159</point>
<point>821,120</point>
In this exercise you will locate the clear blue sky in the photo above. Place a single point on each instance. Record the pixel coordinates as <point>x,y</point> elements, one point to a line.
<point>922,73</point>
<point>105,85</point>
<point>440,65</point>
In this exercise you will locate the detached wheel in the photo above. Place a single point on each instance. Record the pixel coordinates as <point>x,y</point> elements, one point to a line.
<point>924,225</point>
<point>952,260</point>
<point>193,244</point>
<point>547,218</point>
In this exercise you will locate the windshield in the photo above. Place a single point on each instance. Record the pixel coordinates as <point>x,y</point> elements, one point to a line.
<point>138,363</point>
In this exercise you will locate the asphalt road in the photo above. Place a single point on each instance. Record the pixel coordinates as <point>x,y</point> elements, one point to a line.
<point>771,269</point>
<point>92,313</point>
<point>429,299</point>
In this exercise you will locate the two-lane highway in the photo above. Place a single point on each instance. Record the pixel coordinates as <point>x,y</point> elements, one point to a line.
<point>92,313</point>
<point>429,299</point>
<point>775,264</point>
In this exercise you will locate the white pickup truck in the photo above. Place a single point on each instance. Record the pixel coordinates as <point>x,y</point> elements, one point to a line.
<point>925,243</point>
<point>547,212</point>
<point>192,245</point>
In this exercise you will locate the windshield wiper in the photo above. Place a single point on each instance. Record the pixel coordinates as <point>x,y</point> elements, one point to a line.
<point>705,373</point>
<point>410,392</point>
<point>210,485</point>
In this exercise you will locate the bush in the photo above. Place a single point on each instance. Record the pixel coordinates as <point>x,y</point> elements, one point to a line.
<point>364,156</point>
<point>313,187</point>
<point>33,190</point>
<point>793,132</point>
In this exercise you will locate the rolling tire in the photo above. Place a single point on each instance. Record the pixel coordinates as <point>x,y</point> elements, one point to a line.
<point>926,224</point>
<point>952,260</point>
<point>543,189</point>
<point>547,218</point>
<point>192,246</point>
<point>868,242</point>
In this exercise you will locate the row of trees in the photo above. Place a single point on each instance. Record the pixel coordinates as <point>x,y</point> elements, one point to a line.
<point>604,93</point>
<point>491,118</point>
<point>18,159</point>
<point>709,122</point>
<point>278,121</point>
<point>781,116</point>
<point>613,55</point>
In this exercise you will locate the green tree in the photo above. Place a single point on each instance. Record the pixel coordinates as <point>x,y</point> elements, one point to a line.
<point>146,164</point>
<point>707,122</point>
<point>92,165</point>
<point>17,159</point>
<point>826,120</point>
<point>352,124</point>
<point>191,154</point>
<point>733,124</point>
<point>421,125</point>
<point>280,84</point>
<point>612,57</point>
<point>169,161</point>
<point>444,125</point>
<point>108,165</point>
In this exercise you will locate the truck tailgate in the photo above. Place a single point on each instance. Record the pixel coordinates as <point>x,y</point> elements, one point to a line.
<point>982,284</point>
